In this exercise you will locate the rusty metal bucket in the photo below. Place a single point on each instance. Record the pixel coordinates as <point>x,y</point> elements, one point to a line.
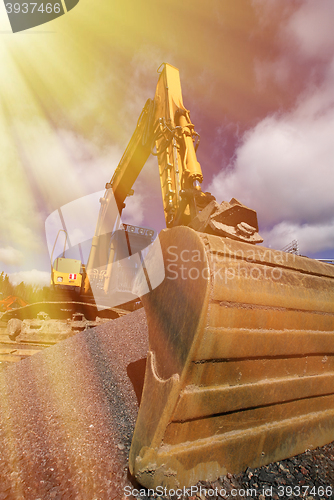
<point>240,369</point>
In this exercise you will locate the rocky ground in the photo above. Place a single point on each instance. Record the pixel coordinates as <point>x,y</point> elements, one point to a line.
<point>67,415</point>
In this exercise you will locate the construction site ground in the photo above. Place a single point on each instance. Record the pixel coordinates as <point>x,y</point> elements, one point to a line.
<point>67,416</point>
<point>13,352</point>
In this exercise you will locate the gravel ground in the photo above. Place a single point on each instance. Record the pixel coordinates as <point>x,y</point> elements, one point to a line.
<point>67,415</point>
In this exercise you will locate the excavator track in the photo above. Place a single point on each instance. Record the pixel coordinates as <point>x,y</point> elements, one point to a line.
<point>63,309</point>
<point>240,369</point>
<point>52,322</point>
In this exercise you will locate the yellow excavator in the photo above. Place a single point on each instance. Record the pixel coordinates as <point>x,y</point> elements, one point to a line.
<point>240,368</point>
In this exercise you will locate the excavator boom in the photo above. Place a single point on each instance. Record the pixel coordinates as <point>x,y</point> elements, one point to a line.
<point>165,124</point>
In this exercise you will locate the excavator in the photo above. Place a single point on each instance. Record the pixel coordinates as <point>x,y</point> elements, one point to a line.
<point>11,302</point>
<point>240,368</point>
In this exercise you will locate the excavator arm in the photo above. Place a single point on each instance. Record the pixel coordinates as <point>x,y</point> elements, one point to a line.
<point>164,124</point>
<point>165,130</point>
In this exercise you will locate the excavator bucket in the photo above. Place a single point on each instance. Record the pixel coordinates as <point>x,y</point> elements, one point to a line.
<point>240,369</point>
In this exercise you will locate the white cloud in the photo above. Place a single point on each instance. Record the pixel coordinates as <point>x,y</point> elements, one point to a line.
<point>285,171</point>
<point>284,167</point>
<point>33,277</point>
<point>134,210</point>
<point>10,256</point>
<point>311,238</point>
<point>49,169</point>
<point>311,26</point>
<point>64,165</point>
<point>305,38</point>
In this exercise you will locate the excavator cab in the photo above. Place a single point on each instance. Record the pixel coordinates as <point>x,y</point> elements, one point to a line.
<point>67,273</point>
<point>118,260</point>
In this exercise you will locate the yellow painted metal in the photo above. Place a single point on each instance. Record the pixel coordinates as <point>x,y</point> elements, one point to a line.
<point>64,270</point>
<point>164,123</point>
<point>66,280</point>
<point>178,164</point>
<point>240,370</point>
<point>111,258</point>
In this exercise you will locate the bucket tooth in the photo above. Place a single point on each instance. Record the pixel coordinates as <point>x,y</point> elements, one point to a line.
<point>232,220</point>
<point>240,369</point>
